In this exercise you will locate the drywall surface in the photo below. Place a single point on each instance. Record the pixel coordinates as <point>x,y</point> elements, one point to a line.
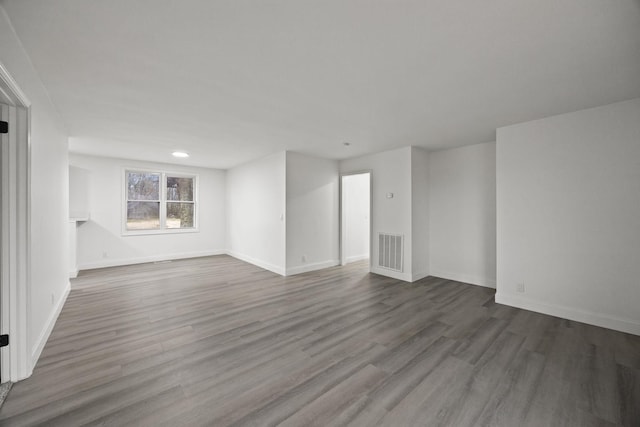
<point>420,190</point>
<point>256,205</point>
<point>73,249</point>
<point>101,241</point>
<point>49,193</point>
<point>312,213</point>
<point>391,201</point>
<point>462,206</point>
<point>356,205</point>
<point>568,204</point>
<point>78,192</point>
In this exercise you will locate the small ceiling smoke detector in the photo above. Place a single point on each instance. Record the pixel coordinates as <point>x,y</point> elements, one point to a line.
<point>180,154</point>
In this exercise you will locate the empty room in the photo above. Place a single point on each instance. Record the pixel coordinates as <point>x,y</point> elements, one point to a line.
<point>319,213</point>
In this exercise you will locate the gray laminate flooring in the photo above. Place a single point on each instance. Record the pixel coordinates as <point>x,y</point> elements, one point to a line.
<point>215,341</point>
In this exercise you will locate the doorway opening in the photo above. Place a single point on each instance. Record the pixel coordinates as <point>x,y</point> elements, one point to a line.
<point>355,228</point>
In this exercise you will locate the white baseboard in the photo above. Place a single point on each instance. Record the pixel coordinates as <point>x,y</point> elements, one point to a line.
<point>465,278</point>
<point>312,267</point>
<point>417,276</point>
<point>141,260</point>
<point>73,274</point>
<point>597,319</point>
<point>259,263</point>
<point>51,321</point>
<point>406,277</point>
<point>354,258</point>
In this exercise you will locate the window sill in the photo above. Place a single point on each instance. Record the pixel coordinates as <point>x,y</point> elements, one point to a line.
<point>129,233</point>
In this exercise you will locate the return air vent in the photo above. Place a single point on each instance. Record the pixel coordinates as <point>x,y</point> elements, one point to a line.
<point>390,251</point>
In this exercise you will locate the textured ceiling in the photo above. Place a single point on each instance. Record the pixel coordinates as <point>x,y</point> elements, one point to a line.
<point>231,81</point>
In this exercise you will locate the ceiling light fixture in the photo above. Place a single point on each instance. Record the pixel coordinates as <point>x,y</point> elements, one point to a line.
<point>180,154</point>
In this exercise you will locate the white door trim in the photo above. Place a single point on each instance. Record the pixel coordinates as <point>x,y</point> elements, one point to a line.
<point>16,223</point>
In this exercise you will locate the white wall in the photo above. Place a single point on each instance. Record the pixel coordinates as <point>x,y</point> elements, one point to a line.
<point>462,206</point>
<point>78,192</point>
<point>256,205</point>
<point>72,228</point>
<point>356,205</point>
<point>568,210</point>
<point>390,173</point>
<point>312,213</point>
<point>100,240</point>
<point>49,282</point>
<point>420,190</point>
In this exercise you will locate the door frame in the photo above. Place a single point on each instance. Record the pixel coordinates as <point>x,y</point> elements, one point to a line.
<point>343,256</point>
<point>15,193</point>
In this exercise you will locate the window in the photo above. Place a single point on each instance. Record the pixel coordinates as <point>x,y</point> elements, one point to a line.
<point>159,202</point>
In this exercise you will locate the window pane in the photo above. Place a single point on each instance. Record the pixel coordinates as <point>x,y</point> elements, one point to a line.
<point>179,188</point>
<point>143,215</point>
<point>143,186</point>
<point>179,215</point>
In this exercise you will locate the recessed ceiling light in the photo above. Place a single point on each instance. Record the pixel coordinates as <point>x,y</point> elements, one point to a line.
<point>180,154</point>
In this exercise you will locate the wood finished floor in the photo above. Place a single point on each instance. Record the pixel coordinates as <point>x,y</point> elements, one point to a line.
<point>216,341</point>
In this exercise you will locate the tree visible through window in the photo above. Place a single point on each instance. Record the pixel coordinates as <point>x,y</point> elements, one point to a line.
<point>158,201</point>
<point>179,202</point>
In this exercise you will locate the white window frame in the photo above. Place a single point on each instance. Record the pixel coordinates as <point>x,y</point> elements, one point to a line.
<point>163,202</point>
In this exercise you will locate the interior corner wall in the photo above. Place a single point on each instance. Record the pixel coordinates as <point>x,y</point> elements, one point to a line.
<point>568,204</point>
<point>311,214</point>
<point>390,175</point>
<point>101,242</point>
<point>420,190</point>
<point>49,282</point>
<point>462,206</point>
<point>256,206</point>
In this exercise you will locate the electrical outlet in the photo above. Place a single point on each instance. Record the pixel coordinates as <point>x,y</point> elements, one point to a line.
<point>53,298</point>
<point>520,287</point>
<point>304,258</point>
<point>105,254</point>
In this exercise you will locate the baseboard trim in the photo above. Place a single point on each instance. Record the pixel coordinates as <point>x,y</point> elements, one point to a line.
<point>405,277</point>
<point>596,319</point>
<point>417,276</point>
<point>465,278</point>
<point>355,258</point>
<point>51,321</point>
<point>154,258</point>
<point>73,274</point>
<point>312,267</point>
<point>4,391</point>
<point>259,263</point>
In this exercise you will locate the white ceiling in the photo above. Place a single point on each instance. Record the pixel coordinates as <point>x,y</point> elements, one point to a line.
<point>230,81</point>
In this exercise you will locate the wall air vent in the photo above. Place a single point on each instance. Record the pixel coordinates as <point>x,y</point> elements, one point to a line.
<point>390,251</point>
